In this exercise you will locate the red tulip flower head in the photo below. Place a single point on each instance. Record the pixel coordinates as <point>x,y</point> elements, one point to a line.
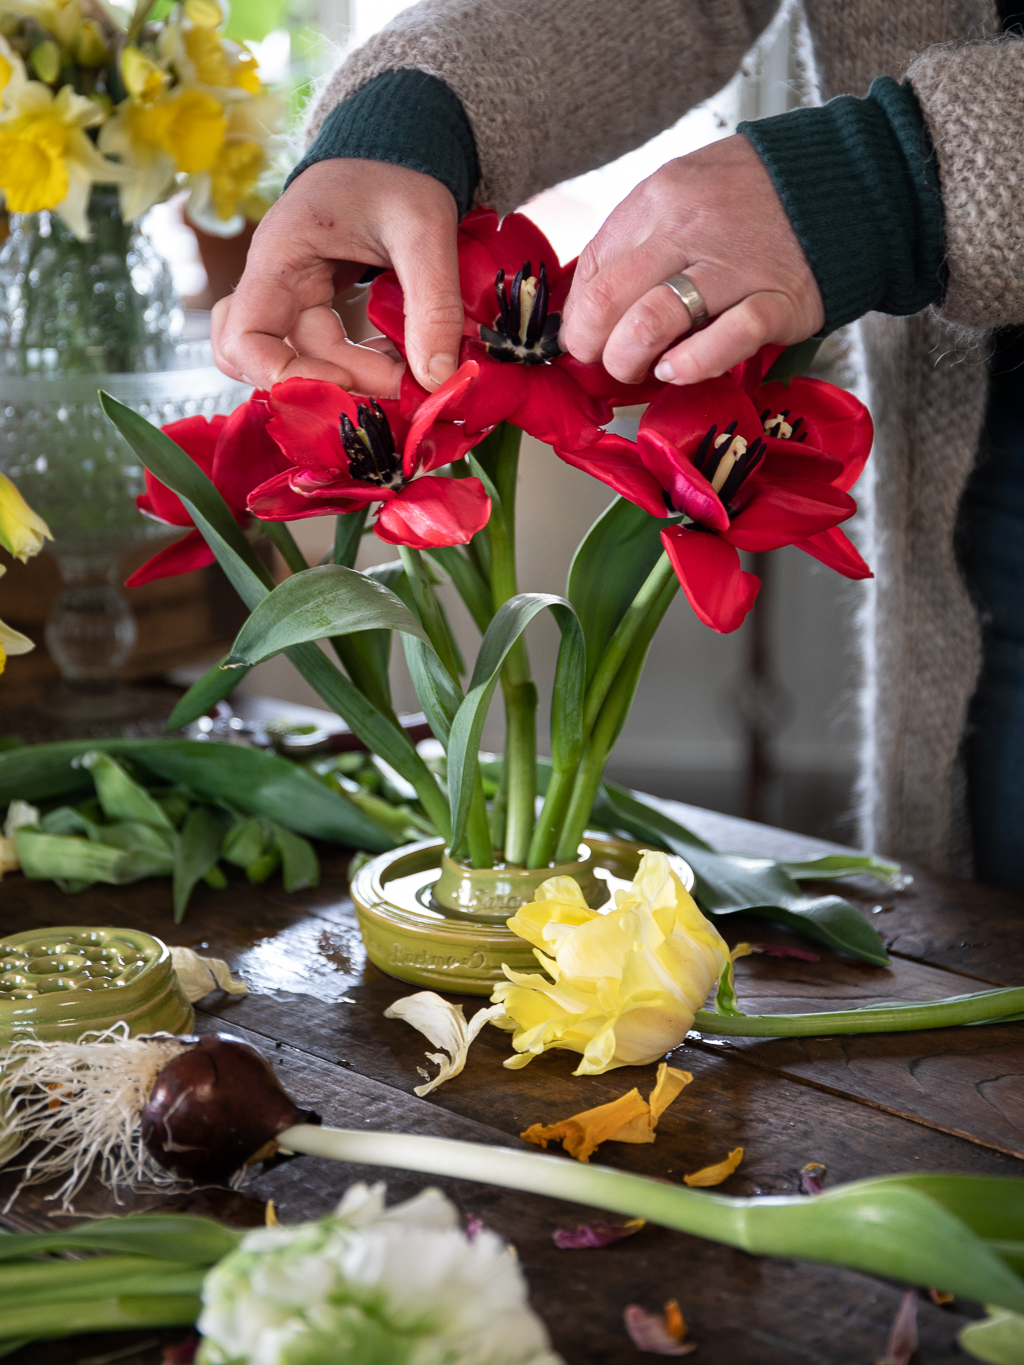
<point>513,290</point>
<point>749,466</point>
<point>237,454</point>
<point>343,453</point>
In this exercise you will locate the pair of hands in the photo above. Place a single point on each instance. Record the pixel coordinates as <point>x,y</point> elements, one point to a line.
<point>714,215</point>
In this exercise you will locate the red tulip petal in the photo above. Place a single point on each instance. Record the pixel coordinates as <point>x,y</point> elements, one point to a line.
<point>277,500</point>
<point>497,395</point>
<point>447,398</point>
<point>835,421</point>
<point>780,513</point>
<point>749,373</point>
<point>386,308</point>
<point>488,244</point>
<point>191,552</point>
<point>305,422</point>
<point>246,454</point>
<point>432,511</point>
<point>796,460</point>
<point>198,439</point>
<point>557,411</point>
<point>834,548</point>
<point>598,383</point>
<point>615,461</point>
<point>683,416</point>
<point>709,570</point>
<point>687,488</point>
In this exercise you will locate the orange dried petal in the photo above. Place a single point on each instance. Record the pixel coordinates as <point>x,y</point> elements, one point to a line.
<point>714,1175</point>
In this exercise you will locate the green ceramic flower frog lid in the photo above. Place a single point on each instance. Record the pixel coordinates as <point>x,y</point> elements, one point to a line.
<point>61,983</point>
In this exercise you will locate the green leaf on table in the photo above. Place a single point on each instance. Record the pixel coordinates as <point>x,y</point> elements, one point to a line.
<point>134,836</point>
<point>609,569</point>
<point>120,797</point>
<point>316,604</point>
<point>300,867</point>
<point>246,841</point>
<point>255,782</point>
<point>727,882</point>
<point>196,851</point>
<point>216,684</point>
<point>998,1338</point>
<point>58,857</point>
<point>464,741</point>
<point>835,865</point>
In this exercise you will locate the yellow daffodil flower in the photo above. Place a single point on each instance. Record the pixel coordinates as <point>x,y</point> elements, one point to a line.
<point>216,61</point>
<point>62,18</point>
<point>11,641</point>
<point>12,73</point>
<point>143,78</point>
<point>22,531</point>
<point>227,192</point>
<point>183,131</point>
<point>46,159</point>
<point>623,985</point>
<point>91,46</point>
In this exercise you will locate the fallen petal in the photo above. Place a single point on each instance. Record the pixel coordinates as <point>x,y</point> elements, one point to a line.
<point>627,1119</point>
<point>198,976</point>
<point>596,1234</point>
<point>784,950</point>
<point>444,1025</point>
<point>812,1178</point>
<point>181,1353</point>
<point>474,1226</point>
<point>903,1337</point>
<point>714,1175</point>
<point>655,1333</point>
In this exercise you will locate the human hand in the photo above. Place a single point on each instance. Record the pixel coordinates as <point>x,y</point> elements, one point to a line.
<point>715,216</point>
<point>337,218</point>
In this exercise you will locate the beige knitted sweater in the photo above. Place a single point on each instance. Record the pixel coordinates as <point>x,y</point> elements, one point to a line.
<point>554,88</point>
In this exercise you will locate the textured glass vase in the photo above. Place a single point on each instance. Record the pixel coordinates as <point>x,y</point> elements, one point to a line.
<point>77,317</point>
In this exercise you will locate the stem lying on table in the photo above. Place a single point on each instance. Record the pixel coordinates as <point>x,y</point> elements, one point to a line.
<point>983,1007</point>
<point>880,1226</point>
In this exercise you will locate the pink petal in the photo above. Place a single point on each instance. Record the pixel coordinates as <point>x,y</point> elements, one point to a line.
<point>902,1341</point>
<point>784,950</point>
<point>433,511</point>
<point>835,549</point>
<point>593,1235</point>
<point>781,513</point>
<point>306,420</point>
<point>276,500</point>
<point>709,570</point>
<point>191,552</point>
<point>648,1332</point>
<point>812,1178</point>
<point>615,461</point>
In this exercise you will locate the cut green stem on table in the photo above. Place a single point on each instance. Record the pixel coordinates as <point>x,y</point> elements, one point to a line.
<point>983,1007</point>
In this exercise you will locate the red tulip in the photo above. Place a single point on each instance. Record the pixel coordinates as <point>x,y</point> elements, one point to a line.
<point>237,453</point>
<point>513,290</point>
<point>750,466</point>
<point>344,453</point>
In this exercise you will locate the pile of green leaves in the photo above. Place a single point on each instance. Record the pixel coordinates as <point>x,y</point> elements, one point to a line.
<point>182,809</point>
<point>137,1271</point>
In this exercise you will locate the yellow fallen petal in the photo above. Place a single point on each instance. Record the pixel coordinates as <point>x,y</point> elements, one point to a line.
<point>627,1119</point>
<point>741,950</point>
<point>271,1219</point>
<point>714,1175</point>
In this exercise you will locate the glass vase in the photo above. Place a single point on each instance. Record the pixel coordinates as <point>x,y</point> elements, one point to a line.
<point>77,317</point>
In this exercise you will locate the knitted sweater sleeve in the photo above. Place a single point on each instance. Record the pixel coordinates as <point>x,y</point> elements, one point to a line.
<point>972,98</point>
<point>554,88</point>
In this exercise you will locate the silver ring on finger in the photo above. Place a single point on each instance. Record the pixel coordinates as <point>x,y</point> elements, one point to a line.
<point>690,297</point>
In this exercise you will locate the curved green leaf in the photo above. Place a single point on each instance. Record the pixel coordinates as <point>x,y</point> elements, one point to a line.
<point>506,628</point>
<point>728,882</point>
<point>216,684</point>
<point>438,693</point>
<point>609,569</point>
<point>315,604</point>
<point>196,850</point>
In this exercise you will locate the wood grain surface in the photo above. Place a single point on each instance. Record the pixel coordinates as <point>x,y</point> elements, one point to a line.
<point>944,1100</point>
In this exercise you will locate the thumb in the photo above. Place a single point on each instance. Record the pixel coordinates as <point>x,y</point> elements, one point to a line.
<point>427,266</point>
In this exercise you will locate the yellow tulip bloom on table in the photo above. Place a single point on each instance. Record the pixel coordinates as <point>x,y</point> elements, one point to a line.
<point>623,984</point>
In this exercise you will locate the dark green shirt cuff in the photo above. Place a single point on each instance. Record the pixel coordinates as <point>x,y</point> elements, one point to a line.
<point>859,181</point>
<point>408,119</point>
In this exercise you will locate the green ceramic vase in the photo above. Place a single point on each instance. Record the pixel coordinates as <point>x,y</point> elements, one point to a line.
<point>61,983</point>
<point>437,923</point>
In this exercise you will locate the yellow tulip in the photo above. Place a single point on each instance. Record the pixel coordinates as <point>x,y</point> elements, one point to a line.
<point>22,531</point>
<point>46,159</point>
<point>624,984</point>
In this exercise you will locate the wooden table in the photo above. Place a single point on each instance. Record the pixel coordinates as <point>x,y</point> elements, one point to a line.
<point>948,1100</point>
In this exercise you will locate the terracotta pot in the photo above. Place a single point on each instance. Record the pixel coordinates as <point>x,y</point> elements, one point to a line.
<point>437,923</point>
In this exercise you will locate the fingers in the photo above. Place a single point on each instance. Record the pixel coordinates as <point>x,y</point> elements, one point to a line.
<point>643,332</point>
<point>737,334</point>
<point>322,351</point>
<point>218,321</point>
<point>425,258</point>
<point>595,308</point>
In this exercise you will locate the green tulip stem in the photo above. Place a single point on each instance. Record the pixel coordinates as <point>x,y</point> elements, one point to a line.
<point>634,624</point>
<point>122,1310</point>
<point>601,738</point>
<point>982,1007</point>
<point>517,686</point>
<point>280,533</point>
<point>882,1227</point>
<point>549,822</point>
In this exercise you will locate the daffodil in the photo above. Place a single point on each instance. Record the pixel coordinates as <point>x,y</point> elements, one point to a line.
<point>143,78</point>
<point>11,641</point>
<point>22,531</point>
<point>46,159</point>
<point>62,18</point>
<point>180,131</point>
<point>623,985</point>
<point>12,72</point>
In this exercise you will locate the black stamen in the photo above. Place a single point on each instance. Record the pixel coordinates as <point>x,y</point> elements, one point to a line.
<point>700,454</point>
<point>539,311</point>
<point>795,428</point>
<point>514,304</point>
<point>764,415</point>
<point>509,340</point>
<point>745,465</point>
<point>370,447</point>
